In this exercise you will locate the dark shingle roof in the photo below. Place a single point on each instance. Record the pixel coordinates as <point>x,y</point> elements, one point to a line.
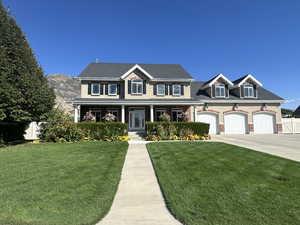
<point>115,70</point>
<point>199,93</point>
<point>297,111</point>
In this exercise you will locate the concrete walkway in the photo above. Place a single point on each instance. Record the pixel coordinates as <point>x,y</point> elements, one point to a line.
<point>286,146</point>
<point>139,200</point>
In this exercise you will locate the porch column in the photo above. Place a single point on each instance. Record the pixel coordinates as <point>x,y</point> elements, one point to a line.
<point>123,113</point>
<point>76,113</point>
<point>151,113</point>
<point>193,113</point>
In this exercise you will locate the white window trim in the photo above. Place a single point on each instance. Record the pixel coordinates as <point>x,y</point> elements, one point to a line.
<point>164,88</point>
<point>173,87</point>
<point>219,86</point>
<point>92,89</point>
<point>109,89</point>
<point>137,82</point>
<point>250,86</point>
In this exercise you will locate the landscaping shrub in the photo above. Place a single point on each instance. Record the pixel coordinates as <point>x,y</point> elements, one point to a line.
<point>12,132</point>
<point>108,131</point>
<point>60,128</point>
<point>176,130</point>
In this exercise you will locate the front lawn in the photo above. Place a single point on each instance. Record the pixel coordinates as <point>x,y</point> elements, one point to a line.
<point>59,184</point>
<point>216,183</point>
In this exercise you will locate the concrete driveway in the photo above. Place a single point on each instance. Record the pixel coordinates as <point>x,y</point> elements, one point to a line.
<point>283,145</point>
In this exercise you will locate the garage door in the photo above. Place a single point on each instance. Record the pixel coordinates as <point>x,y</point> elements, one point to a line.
<point>263,123</point>
<point>235,123</point>
<point>209,118</point>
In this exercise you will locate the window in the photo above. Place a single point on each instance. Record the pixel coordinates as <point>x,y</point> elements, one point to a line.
<point>220,90</point>
<point>160,89</point>
<point>176,89</point>
<point>112,89</point>
<point>136,87</point>
<point>177,115</point>
<point>248,91</point>
<point>95,89</point>
<point>158,113</point>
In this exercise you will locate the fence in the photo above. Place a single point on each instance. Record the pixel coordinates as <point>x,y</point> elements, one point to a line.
<point>32,132</point>
<point>290,125</point>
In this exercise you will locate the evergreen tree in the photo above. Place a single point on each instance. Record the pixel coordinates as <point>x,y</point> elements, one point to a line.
<point>24,91</point>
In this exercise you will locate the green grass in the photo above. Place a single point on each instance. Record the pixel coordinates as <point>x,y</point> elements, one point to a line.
<point>59,184</point>
<point>216,183</point>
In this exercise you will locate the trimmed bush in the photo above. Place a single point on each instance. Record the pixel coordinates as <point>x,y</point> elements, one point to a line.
<point>12,132</point>
<point>165,130</point>
<point>103,130</point>
<point>60,128</point>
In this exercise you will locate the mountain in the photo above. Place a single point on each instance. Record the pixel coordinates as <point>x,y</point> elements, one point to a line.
<point>66,88</point>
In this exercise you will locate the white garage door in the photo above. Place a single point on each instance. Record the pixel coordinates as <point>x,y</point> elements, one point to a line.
<point>263,123</point>
<point>209,118</point>
<point>235,123</point>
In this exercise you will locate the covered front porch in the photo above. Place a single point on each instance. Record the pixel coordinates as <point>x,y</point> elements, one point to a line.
<point>134,115</point>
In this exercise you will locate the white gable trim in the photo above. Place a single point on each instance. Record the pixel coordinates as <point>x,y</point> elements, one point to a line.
<point>136,66</point>
<point>217,78</point>
<point>249,76</point>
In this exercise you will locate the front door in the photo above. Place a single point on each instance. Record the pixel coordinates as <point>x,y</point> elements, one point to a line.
<point>137,120</point>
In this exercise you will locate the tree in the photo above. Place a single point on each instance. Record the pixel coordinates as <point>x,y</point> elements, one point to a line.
<point>24,92</point>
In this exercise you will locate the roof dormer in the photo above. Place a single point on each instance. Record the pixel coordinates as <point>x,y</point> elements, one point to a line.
<point>247,86</point>
<point>218,86</point>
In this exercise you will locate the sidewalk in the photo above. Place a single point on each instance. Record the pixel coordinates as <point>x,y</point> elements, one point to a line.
<point>138,200</point>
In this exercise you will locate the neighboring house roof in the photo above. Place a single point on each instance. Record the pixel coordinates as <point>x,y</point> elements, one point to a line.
<point>199,93</point>
<point>297,111</point>
<point>116,70</point>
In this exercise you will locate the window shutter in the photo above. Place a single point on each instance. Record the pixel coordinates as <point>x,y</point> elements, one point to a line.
<point>242,91</point>
<point>129,87</point>
<point>106,89</point>
<point>155,89</point>
<point>118,89</point>
<point>171,89</point>
<point>166,89</point>
<point>213,88</point>
<point>89,88</point>
<point>144,87</point>
<point>182,89</point>
<point>255,91</point>
<point>226,91</point>
<point>101,89</point>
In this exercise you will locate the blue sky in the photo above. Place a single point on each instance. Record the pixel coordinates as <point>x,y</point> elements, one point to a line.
<point>233,37</point>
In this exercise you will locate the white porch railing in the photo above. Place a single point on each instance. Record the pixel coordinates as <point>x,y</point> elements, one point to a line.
<point>290,125</point>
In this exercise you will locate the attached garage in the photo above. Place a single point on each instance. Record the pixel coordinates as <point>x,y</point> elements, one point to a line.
<point>264,123</point>
<point>209,118</point>
<point>235,123</point>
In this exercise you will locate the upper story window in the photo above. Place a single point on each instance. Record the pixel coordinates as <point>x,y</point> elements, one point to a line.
<point>248,91</point>
<point>137,87</point>
<point>160,89</point>
<point>176,89</point>
<point>112,89</point>
<point>220,90</point>
<point>95,89</point>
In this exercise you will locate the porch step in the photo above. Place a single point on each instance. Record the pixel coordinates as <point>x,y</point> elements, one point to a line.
<point>136,135</point>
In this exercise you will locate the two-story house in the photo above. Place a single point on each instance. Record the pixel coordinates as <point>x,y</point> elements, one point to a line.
<point>136,93</point>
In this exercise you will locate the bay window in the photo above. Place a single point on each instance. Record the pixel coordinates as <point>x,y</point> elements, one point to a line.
<point>112,89</point>
<point>160,89</point>
<point>176,89</point>
<point>95,89</point>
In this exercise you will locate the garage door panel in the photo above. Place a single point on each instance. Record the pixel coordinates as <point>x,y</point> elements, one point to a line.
<point>235,123</point>
<point>209,118</point>
<point>264,123</point>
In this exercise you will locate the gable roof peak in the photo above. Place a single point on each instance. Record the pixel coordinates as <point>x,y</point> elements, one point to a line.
<point>243,79</point>
<point>217,77</point>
